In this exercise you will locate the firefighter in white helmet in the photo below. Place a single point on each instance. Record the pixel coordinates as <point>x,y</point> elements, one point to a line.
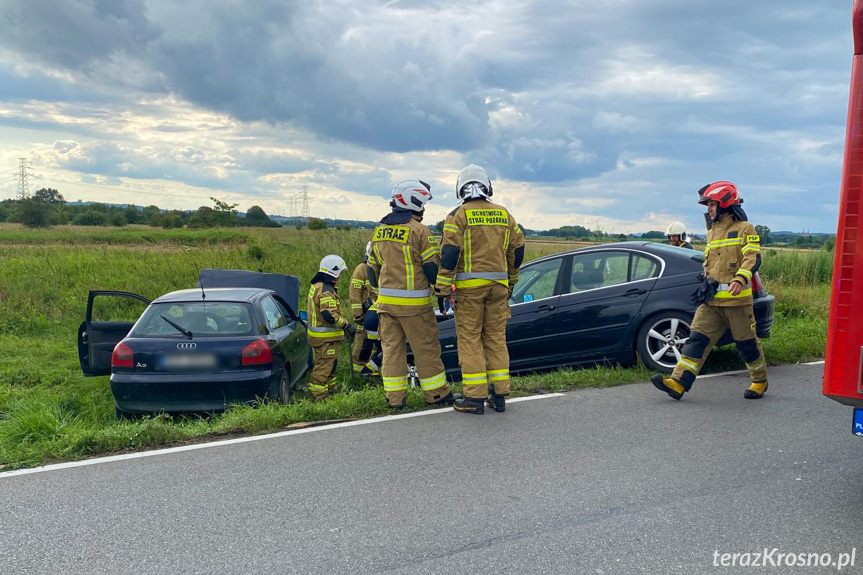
<point>482,250</point>
<point>326,327</point>
<point>676,234</point>
<point>404,265</point>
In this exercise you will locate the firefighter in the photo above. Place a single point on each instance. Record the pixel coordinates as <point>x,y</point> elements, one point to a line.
<point>326,327</point>
<point>362,297</point>
<point>371,356</point>
<point>732,257</point>
<point>482,250</point>
<point>676,234</point>
<point>404,265</point>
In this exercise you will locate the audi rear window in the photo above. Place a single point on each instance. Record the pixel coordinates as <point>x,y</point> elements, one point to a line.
<point>204,319</point>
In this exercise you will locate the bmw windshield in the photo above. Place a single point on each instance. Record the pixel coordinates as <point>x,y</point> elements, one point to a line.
<point>200,319</point>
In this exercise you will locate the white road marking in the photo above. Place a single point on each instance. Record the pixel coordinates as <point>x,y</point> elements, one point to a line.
<point>741,371</point>
<point>138,455</point>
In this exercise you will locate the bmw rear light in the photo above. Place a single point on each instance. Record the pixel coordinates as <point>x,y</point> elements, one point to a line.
<point>756,283</point>
<point>123,356</point>
<point>257,353</point>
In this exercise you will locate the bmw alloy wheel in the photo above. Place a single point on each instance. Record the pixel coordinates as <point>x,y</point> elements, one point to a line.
<point>665,339</point>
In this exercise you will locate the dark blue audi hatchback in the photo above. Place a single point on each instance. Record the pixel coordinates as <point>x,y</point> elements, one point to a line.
<point>203,349</point>
<point>608,303</point>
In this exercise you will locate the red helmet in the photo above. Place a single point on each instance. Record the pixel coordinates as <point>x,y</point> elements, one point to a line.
<point>723,192</point>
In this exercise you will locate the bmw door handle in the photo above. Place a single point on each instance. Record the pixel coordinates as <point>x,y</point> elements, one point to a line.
<point>634,292</point>
<point>546,307</point>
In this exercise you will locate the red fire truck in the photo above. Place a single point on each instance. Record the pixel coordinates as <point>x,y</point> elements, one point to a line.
<point>843,371</point>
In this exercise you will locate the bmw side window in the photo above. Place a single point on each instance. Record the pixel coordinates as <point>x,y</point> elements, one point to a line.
<point>598,269</point>
<point>274,316</point>
<point>536,281</point>
<point>643,268</point>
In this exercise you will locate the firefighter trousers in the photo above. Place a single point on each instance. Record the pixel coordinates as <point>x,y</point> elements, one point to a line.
<point>422,333</point>
<point>480,323</point>
<point>359,338</point>
<point>710,324</point>
<point>322,382</point>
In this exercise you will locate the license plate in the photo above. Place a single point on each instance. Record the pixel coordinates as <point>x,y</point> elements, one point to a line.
<point>189,361</point>
<point>857,426</point>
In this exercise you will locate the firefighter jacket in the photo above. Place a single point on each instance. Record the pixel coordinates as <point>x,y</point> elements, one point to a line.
<point>482,244</point>
<point>733,253</point>
<point>402,250</point>
<point>326,323</point>
<point>361,291</point>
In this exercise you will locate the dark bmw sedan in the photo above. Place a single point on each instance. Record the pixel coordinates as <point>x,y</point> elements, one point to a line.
<point>200,350</point>
<point>609,303</point>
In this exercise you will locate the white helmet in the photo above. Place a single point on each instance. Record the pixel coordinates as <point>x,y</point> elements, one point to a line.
<point>473,182</point>
<point>368,249</point>
<point>333,265</point>
<point>677,229</point>
<point>411,195</point>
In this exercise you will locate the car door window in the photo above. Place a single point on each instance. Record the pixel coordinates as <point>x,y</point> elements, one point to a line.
<point>275,318</point>
<point>598,269</point>
<point>537,281</point>
<point>282,308</point>
<point>643,268</point>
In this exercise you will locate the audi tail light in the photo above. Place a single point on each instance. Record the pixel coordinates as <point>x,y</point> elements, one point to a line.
<point>257,353</point>
<point>123,356</point>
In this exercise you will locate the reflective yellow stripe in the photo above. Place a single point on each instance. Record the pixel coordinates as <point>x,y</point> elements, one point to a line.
<point>477,283</point>
<point>430,253</point>
<point>726,242</point>
<point>468,264</point>
<point>498,374</point>
<point>357,284</point>
<point>444,281</point>
<point>474,378</point>
<point>750,248</point>
<point>431,383</point>
<point>356,306</point>
<point>727,294</point>
<point>688,365</point>
<point>745,273</point>
<point>339,334</point>
<point>315,387</point>
<point>450,228</point>
<point>756,366</point>
<point>395,383</point>
<point>389,299</point>
<point>409,267</point>
<point>358,367</point>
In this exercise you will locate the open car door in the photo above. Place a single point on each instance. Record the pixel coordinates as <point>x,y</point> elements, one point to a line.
<point>96,339</point>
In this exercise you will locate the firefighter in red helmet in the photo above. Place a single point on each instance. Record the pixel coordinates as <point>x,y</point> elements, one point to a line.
<point>732,257</point>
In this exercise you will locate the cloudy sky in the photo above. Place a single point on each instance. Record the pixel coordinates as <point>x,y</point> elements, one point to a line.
<point>602,113</point>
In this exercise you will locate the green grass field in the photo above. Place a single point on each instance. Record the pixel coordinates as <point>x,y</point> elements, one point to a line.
<point>50,412</point>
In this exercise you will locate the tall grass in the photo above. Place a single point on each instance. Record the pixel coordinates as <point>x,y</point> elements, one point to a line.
<point>797,267</point>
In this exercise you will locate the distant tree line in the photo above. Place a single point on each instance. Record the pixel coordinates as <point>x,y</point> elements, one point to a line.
<point>47,207</point>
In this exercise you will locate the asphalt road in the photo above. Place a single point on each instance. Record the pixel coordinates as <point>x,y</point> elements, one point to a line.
<point>619,480</point>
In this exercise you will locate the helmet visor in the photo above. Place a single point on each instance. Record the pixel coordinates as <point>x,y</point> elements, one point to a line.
<point>473,189</point>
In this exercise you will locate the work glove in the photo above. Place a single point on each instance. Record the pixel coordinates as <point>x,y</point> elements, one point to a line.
<point>358,319</point>
<point>367,305</point>
<point>706,291</point>
<point>350,329</point>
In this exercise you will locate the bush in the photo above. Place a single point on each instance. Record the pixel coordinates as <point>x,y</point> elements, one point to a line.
<point>90,218</point>
<point>34,213</point>
<point>317,224</point>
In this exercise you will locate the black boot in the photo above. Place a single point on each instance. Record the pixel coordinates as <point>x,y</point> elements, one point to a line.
<point>496,402</point>
<point>469,405</point>
<point>448,399</point>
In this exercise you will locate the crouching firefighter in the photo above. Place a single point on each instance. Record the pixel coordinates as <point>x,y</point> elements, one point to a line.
<point>404,265</point>
<point>362,297</point>
<point>732,256</point>
<point>327,327</point>
<point>482,250</point>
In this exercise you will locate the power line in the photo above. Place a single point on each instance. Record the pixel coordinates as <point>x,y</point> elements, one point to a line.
<point>305,212</point>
